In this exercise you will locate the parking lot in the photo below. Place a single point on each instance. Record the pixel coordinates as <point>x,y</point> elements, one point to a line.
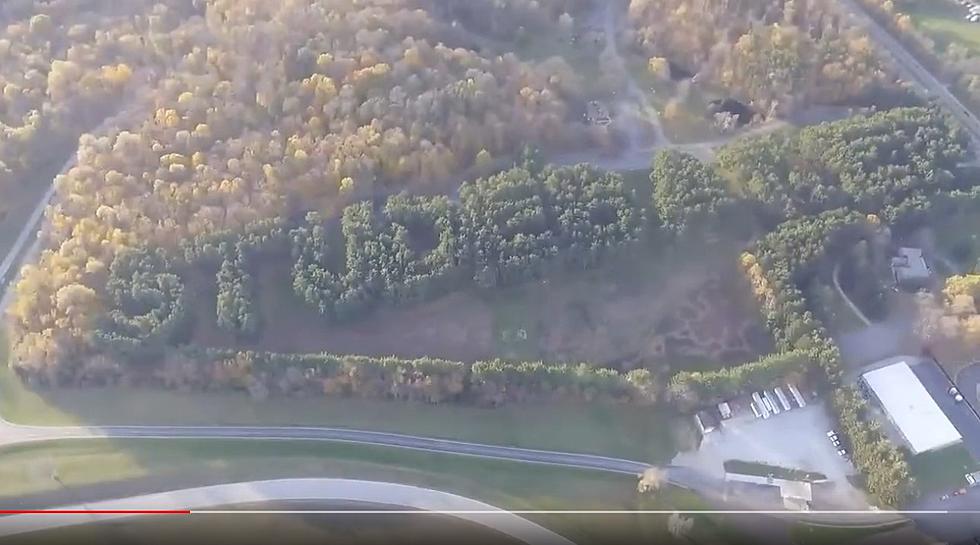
<point>795,439</point>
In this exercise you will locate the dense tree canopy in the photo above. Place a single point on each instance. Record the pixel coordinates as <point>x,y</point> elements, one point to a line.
<point>503,230</point>
<point>686,192</point>
<point>249,110</point>
<point>873,164</point>
<point>778,54</point>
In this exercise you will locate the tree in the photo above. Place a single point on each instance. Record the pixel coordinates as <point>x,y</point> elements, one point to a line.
<point>686,193</point>
<point>659,67</point>
<point>679,526</point>
<point>651,480</point>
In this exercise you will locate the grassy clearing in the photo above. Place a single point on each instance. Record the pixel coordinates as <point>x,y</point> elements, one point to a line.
<point>765,470</point>
<point>28,469</point>
<point>942,20</point>
<point>943,469</point>
<point>84,466</point>
<point>956,238</point>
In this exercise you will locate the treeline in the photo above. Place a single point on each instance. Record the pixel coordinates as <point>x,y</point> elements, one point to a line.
<point>430,380</point>
<point>692,389</point>
<point>686,192</point>
<point>234,305</point>
<point>875,164</point>
<point>782,262</point>
<point>505,229</point>
<point>781,55</point>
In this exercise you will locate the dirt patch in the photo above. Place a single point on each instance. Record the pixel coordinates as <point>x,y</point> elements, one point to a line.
<point>645,309</point>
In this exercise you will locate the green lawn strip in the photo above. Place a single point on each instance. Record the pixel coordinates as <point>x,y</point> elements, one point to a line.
<point>27,468</point>
<point>813,534</point>
<point>942,469</point>
<point>184,463</point>
<point>765,470</point>
<point>944,22</point>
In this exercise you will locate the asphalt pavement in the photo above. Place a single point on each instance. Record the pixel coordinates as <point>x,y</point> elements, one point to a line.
<point>960,414</point>
<point>203,499</point>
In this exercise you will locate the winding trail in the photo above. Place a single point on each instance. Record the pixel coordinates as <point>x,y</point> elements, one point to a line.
<point>198,500</point>
<point>847,300</point>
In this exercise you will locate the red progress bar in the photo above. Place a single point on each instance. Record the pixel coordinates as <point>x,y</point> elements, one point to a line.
<point>95,512</point>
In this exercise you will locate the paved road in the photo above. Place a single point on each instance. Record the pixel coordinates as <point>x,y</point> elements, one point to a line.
<point>16,253</point>
<point>292,490</point>
<point>913,71</point>
<point>15,434</point>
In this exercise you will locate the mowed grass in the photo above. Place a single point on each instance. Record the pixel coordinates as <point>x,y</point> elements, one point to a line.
<point>943,469</point>
<point>189,462</point>
<point>943,21</point>
<point>815,534</point>
<point>94,469</point>
<point>639,433</point>
<point>956,238</point>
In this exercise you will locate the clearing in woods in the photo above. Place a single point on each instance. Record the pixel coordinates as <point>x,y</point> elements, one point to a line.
<point>682,306</point>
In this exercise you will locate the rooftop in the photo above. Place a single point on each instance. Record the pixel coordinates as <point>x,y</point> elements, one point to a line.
<point>911,408</point>
<point>910,265</point>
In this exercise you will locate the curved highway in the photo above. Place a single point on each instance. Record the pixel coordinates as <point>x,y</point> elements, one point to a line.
<point>198,500</point>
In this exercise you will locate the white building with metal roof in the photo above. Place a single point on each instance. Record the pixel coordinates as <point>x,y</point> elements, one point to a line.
<point>911,408</point>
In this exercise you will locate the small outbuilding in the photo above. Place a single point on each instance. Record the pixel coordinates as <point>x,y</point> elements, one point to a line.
<point>910,269</point>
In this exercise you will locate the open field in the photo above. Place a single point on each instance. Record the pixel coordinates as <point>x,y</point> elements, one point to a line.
<point>657,308</point>
<point>175,463</point>
<point>96,468</point>
<point>942,20</point>
<point>956,239</point>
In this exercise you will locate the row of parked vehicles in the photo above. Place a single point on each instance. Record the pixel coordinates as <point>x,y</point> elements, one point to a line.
<point>767,403</point>
<point>835,439</point>
<point>973,10</point>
